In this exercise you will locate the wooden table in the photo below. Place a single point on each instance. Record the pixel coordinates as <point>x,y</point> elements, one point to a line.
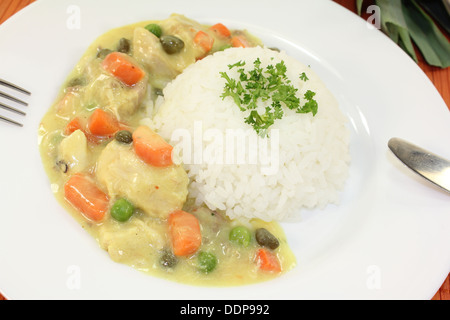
<point>440,78</point>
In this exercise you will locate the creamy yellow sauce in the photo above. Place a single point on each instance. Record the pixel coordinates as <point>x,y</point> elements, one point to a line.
<point>143,239</point>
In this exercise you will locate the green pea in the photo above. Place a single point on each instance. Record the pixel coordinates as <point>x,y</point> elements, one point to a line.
<point>154,28</point>
<point>207,261</point>
<point>240,235</point>
<point>122,210</point>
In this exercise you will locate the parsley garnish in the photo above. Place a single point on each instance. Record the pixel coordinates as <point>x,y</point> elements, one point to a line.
<point>303,77</point>
<point>264,84</point>
<point>310,105</point>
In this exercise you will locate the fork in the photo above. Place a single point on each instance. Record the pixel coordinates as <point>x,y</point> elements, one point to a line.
<point>14,99</point>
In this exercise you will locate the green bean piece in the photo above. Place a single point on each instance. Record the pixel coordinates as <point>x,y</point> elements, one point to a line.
<point>155,29</point>
<point>266,239</point>
<point>224,47</point>
<point>75,82</point>
<point>240,235</point>
<point>122,210</point>
<point>171,44</point>
<point>91,106</point>
<point>101,54</point>
<point>124,136</point>
<point>207,261</point>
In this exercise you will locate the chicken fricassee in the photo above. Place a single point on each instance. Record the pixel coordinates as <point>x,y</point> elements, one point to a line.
<point>116,176</point>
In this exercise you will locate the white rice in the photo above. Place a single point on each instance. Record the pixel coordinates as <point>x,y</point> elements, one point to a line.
<point>312,157</point>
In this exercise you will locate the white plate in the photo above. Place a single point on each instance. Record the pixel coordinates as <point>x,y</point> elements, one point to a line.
<point>389,238</point>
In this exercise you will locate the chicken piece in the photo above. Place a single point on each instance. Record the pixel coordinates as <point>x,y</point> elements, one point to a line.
<point>185,29</point>
<point>68,105</point>
<point>149,52</point>
<point>73,152</point>
<point>157,191</point>
<point>134,241</point>
<point>164,67</point>
<point>106,91</point>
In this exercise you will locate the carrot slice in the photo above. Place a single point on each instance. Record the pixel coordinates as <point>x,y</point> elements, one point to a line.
<point>268,261</point>
<point>86,197</point>
<point>119,65</point>
<point>151,147</point>
<point>204,40</point>
<point>72,126</point>
<point>79,124</point>
<point>221,30</point>
<point>185,233</point>
<point>102,123</point>
<point>239,41</point>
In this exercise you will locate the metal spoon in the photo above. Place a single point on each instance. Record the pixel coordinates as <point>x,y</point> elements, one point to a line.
<point>430,166</point>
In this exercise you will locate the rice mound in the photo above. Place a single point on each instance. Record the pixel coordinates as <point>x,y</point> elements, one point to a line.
<point>312,154</point>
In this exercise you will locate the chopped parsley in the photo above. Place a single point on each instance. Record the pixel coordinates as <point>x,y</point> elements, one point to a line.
<point>303,77</point>
<point>265,84</point>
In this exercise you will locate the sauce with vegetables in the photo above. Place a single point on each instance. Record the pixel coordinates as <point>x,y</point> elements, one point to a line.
<point>116,176</point>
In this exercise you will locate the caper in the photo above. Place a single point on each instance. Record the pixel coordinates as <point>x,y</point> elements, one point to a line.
<point>168,259</point>
<point>63,166</point>
<point>159,92</point>
<point>171,44</point>
<point>102,53</point>
<point>124,136</point>
<point>266,239</point>
<point>124,45</point>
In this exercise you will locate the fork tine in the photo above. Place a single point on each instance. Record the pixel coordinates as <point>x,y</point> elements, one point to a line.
<point>4,106</point>
<point>7,96</point>
<point>13,86</point>
<point>11,121</point>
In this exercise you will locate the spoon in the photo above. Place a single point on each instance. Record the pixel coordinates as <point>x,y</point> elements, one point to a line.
<point>430,166</point>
